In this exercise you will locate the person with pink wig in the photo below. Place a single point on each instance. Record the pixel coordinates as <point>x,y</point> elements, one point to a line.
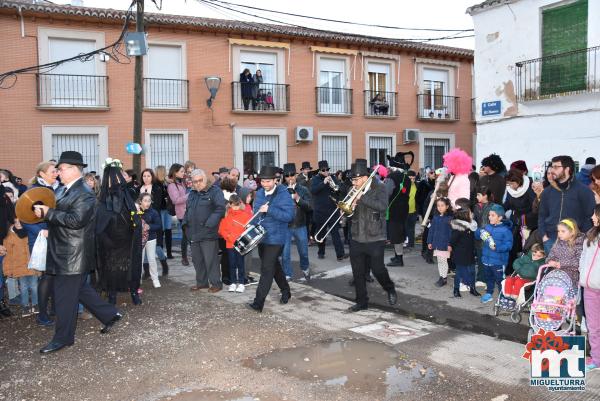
<point>459,165</point>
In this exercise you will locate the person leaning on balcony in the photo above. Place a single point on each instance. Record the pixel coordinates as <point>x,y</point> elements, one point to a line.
<point>380,105</point>
<point>247,87</point>
<point>258,79</point>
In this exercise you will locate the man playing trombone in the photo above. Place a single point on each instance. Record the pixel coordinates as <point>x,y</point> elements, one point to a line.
<point>369,201</point>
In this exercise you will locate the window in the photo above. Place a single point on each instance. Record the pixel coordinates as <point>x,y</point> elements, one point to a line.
<point>435,87</point>
<point>379,148</point>
<point>166,147</point>
<point>259,151</point>
<point>263,61</point>
<point>165,86</point>
<point>564,29</point>
<point>379,77</point>
<point>331,93</point>
<point>90,141</point>
<point>380,99</point>
<point>334,149</point>
<point>434,149</point>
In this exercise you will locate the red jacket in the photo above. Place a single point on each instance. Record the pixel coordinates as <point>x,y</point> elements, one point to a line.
<point>233,224</point>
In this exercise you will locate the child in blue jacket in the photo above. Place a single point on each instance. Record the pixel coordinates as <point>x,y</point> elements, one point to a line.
<point>438,238</point>
<point>497,241</point>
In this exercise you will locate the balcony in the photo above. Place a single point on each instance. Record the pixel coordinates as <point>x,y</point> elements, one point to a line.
<point>437,107</point>
<point>260,98</point>
<point>381,104</point>
<point>166,94</point>
<point>559,75</point>
<point>64,91</point>
<point>333,101</point>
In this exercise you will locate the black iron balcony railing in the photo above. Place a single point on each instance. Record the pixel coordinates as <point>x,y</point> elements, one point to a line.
<point>260,98</point>
<point>559,75</point>
<point>380,103</point>
<point>437,107</point>
<point>333,100</point>
<point>166,94</point>
<point>63,90</point>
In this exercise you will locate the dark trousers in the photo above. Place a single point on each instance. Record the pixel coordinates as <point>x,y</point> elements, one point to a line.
<point>224,260</point>
<point>270,268</point>
<point>69,290</point>
<point>362,256</point>
<point>493,277</point>
<point>337,240</point>
<point>237,273</point>
<point>466,275</point>
<point>184,242</point>
<point>45,292</point>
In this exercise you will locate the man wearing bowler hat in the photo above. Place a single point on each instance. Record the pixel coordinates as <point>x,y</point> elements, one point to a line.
<point>368,236</point>
<point>322,189</point>
<point>297,228</point>
<point>71,253</point>
<point>277,211</point>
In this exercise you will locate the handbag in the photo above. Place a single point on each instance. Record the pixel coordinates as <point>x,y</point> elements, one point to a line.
<point>37,260</point>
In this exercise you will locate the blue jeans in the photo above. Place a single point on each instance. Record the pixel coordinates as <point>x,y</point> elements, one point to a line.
<point>28,283</point>
<point>549,244</point>
<point>466,275</point>
<point>237,272</point>
<point>299,234</point>
<point>167,220</point>
<point>411,221</point>
<point>493,277</point>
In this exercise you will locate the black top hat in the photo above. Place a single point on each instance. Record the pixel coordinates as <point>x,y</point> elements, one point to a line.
<point>71,157</point>
<point>323,165</point>
<point>268,172</point>
<point>289,168</point>
<point>306,165</point>
<point>358,170</point>
<point>362,161</point>
<point>400,160</point>
<point>223,170</point>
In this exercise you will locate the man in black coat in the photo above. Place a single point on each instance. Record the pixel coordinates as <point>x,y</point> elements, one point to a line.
<point>72,253</point>
<point>322,189</point>
<point>398,204</point>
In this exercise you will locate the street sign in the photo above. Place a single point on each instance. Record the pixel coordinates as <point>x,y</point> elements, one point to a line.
<point>491,108</point>
<point>133,148</point>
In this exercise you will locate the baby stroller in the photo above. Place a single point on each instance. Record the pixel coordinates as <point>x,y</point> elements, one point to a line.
<point>554,304</point>
<point>513,306</point>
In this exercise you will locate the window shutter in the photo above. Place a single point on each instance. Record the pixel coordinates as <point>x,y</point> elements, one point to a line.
<point>564,30</point>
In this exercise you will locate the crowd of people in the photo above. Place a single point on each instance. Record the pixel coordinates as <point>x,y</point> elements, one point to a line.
<point>105,234</point>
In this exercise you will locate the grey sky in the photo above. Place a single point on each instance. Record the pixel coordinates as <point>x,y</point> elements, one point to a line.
<point>445,14</point>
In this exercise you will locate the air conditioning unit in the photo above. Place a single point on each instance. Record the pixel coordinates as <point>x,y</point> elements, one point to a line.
<point>411,135</point>
<point>304,134</point>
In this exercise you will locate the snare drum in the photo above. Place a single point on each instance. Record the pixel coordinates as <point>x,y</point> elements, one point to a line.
<point>249,239</point>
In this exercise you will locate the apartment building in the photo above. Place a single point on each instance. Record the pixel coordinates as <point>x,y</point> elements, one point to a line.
<point>316,100</point>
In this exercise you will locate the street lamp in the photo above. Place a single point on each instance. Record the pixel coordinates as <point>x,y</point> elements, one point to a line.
<point>136,43</point>
<point>212,83</point>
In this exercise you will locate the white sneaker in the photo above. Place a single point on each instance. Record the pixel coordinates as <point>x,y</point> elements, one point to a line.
<point>288,278</point>
<point>240,288</point>
<point>464,287</point>
<point>480,284</point>
<point>232,288</point>
<point>156,284</point>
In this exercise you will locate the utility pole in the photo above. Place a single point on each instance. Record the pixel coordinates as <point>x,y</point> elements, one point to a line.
<point>138,97</point>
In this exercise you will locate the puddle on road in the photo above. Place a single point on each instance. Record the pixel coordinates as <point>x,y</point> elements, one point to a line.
<point>211,395</point>
<point>356,364</point>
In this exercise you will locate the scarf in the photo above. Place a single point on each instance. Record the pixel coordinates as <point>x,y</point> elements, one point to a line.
<point>521,190</point>
<point>43,182</point>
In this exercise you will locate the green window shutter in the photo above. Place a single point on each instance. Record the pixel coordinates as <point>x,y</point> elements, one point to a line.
<point>564,30</point>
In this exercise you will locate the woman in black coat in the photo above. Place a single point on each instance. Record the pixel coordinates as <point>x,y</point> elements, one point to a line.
<point>247,84</point>
<point>519,200</point>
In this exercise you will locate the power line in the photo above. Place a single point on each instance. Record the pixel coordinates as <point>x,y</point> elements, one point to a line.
<point>341,21</point>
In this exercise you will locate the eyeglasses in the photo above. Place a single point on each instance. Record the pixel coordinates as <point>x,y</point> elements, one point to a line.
<point>198,181</point>
<point>556,166</point>
<point>324,170</point>
<point>290,175</point>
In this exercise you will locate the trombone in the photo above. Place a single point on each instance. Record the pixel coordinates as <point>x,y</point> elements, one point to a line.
<point>345,208</point>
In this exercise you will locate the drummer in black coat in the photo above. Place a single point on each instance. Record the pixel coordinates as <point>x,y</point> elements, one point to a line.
<point>398,204</point>
<point>71,252</point>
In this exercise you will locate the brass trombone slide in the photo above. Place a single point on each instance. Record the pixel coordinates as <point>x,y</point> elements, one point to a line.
<point>344,207</point>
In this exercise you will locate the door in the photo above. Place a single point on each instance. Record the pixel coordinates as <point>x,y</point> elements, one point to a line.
<point>435,89</point>
<point>165,86</point>
<point>267,64</point>
<point>332,96</point>
<point>564,30</point>
<point>73,83</point>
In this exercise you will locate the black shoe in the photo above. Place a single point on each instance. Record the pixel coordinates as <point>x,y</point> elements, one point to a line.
<point>306,275</point>
<point>398,262</point>
<point>53,346</point>
<point>344,256</point>
<point>441,282</point>
<point>5,310</point>
<point>457,294</point>
<point>473,291</point>
<point>226,282</point>
<point>108,326</point>
<point>394,259</point>
<point>392,297</point>
<point>370,279</point>
<point>285,297</point>
<point>321,256</point>
<point>165,267</point>
<point>146,271</point>
<point>135,298</point>
<point>254,307</point>
<point>357,307</point>
<point>169,256</point>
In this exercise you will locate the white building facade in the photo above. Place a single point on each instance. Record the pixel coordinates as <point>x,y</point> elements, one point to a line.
<point>537,79</point>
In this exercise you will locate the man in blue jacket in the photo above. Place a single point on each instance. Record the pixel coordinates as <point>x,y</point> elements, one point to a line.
<point>277,211</point>
<point>570,199</point>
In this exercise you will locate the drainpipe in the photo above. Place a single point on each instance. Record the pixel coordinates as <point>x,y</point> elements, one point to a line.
<point>22,22</point>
